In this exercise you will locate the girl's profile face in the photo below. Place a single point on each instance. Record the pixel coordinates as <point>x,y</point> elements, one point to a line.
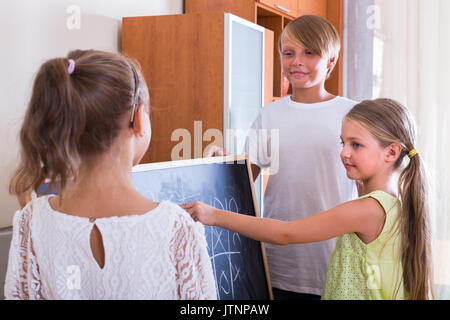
<point>362,155</point>
<point>303,68</point>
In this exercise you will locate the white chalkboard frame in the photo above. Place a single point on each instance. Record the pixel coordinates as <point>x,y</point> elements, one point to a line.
<point>225,159</point>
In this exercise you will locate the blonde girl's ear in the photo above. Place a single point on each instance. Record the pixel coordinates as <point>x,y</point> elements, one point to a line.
<point>394,150</point>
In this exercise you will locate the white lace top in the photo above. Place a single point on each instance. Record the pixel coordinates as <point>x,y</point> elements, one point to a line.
<point>158,255</point>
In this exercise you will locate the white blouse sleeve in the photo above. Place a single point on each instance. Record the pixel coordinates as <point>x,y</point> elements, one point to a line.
<point>195,275</point>
<point>22,276</point>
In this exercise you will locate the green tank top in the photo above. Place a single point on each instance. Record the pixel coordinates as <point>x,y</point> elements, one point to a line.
<point>359,271</point>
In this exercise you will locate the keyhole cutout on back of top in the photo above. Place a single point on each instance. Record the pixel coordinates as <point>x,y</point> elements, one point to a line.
<point>97,248</point>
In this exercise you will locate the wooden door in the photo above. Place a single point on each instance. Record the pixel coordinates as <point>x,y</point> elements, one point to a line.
<point>182,60</point>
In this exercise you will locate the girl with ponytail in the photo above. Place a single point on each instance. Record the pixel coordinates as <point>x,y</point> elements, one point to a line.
<point>86,126</point>
<point>383,247</point>
<point>391,123</point>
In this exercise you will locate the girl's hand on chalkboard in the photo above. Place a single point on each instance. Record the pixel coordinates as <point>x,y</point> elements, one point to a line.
<point>201,212</point>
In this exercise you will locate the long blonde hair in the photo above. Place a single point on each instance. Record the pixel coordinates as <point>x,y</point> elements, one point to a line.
<point>390,122</point>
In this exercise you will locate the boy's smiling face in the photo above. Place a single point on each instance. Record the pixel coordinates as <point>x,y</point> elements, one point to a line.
<point>303,68</point>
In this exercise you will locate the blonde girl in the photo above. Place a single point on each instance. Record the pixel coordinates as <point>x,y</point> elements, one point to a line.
<point>383,249</point>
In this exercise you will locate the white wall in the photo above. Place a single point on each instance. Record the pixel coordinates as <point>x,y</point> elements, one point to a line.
<point>32,31</point>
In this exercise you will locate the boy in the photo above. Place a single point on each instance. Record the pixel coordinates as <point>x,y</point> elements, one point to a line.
<point>305,158</point>
<point>309,123</point>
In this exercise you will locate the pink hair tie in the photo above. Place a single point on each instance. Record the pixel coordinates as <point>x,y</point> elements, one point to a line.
<point>71,67</point>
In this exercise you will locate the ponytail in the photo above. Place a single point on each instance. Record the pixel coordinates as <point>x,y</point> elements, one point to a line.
<point>415,235</point>
<point>78,106</point>
<point>50,131</point>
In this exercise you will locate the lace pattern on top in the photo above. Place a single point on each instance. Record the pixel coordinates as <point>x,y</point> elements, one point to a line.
<point>22,280</point>
<point>158,255</point>
<point>194,276</point>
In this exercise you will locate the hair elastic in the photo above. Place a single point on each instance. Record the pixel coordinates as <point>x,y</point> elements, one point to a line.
<point>412,153</point>
<point>71,67</point>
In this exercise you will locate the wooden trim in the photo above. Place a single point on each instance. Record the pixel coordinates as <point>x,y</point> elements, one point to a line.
<point>335,14</point>
<point>316,7</point>
<point>240,8</point>
<point>187,162</point>
<point>275,24</point>
<point>263,248</point>
<point>269,45</point>
<point>270,11</point>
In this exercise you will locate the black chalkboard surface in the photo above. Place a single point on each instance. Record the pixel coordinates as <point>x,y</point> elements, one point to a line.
<point>239,263</point>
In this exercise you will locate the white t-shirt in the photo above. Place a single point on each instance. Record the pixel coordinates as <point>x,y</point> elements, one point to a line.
<point>161,254</point>
<point>300,143</point>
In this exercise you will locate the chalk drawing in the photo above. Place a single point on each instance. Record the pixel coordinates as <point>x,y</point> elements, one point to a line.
<point>225,248</point>
<point>224,244</point>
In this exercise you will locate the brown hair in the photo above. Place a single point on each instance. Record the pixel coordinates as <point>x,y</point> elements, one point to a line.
<point>73,117</point>
<point>390,122</point>
<point>315,33</point>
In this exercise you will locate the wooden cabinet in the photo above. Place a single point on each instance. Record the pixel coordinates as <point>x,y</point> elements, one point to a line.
<point>242,8</point>
<point>317,7</point>
<point>171,50</point>
<point>296,8</point>
<point>205,74</point>
<point>289,7</point>
<point>268,13</point>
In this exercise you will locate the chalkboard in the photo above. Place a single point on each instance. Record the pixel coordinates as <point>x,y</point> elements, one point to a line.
<point>239,263</point>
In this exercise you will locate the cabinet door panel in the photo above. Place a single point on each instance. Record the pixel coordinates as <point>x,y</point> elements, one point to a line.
<point>182,62</point>
<point>316,7</point>
<point>242,8</point>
